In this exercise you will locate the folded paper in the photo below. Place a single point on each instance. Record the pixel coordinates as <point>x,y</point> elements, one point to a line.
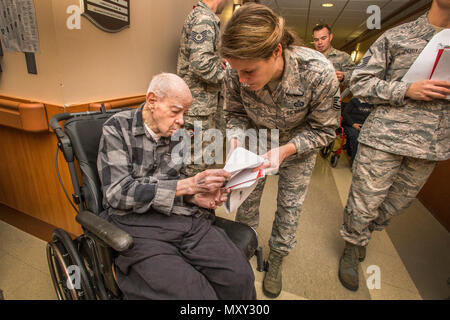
<point>243,181</point>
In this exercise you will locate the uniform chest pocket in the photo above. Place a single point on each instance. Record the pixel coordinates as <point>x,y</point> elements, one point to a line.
<point>294,106</point>
<point>405,52</point>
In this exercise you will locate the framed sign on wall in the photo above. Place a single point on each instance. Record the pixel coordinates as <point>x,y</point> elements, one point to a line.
<point>108,15</point>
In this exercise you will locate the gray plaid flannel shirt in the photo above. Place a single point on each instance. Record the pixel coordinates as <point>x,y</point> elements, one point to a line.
<point>136,172</point>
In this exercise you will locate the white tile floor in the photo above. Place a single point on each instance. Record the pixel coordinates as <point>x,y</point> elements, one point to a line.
<point>414,263</point>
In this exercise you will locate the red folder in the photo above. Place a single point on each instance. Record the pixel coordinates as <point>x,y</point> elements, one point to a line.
<point>438,56</point>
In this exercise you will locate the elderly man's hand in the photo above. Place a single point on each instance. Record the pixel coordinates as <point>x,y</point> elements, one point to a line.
<point>206,181</point>
<point>211,200</point>
<point>209,180</point>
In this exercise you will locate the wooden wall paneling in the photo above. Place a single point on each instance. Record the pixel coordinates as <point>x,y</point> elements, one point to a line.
<point>435,194</point>
<point>28,179</point>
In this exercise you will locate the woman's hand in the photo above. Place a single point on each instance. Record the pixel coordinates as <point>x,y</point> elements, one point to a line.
<point>275,157</point>
<point>428,90</point>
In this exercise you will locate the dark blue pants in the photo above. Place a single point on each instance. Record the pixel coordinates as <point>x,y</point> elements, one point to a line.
<point>352,141</point>
<point>180,257</point>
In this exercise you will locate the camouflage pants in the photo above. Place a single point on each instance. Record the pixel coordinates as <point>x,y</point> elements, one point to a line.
<point>294,177</point>
<point>197,160</point>
<point>383,185</point>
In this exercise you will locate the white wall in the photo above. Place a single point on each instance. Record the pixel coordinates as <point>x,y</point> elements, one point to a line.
<point>85,65</point>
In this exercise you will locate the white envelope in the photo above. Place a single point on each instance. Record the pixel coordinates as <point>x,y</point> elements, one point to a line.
<point>236,197</point>
<point>243,181</point>
<point>242,159</point>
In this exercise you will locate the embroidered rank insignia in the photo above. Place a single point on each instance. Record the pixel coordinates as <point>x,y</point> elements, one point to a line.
<point>336,102</point>
<point>363,62</point>
<point>199,37</point>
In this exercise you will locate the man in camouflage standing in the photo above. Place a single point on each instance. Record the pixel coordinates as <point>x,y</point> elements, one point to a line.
<point>401,140</point>
<point>203,70</point>
<point>341,60</point>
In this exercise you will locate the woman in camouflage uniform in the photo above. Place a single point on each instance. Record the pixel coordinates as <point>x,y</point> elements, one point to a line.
<point>274,85</point>
<point>401,141</point>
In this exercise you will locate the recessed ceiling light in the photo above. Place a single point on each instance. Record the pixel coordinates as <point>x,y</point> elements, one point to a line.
<point>327,5</point>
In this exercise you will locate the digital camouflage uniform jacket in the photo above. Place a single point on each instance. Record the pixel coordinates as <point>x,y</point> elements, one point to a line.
<point>304,107</point>
<point>342,62</point>
<point>199,63</point>
<point>398,124</point>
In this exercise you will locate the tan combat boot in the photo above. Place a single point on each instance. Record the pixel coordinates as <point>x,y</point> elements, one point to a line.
<point>348,267</point>
<point>272,283</point>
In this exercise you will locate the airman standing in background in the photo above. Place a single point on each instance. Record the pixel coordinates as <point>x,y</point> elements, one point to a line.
<point>342,62</point>
<point>203,70</point>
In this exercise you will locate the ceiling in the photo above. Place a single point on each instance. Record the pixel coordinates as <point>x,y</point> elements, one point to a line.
<point>347,18</point>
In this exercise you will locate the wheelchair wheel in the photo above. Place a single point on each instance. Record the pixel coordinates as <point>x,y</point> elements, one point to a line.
<point>68,273</point>
<point>334,160</point>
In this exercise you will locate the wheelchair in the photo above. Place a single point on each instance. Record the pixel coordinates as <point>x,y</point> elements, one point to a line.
<point>83,268</point>
<point>331,148</point>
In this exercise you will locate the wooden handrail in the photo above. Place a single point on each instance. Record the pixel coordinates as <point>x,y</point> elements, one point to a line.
<point>33,116</point>
<point>122,103</point>
<point>24,116</point>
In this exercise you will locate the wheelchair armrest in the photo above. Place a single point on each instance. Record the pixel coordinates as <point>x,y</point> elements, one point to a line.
<point>243,236</point>
<point>114,237</point>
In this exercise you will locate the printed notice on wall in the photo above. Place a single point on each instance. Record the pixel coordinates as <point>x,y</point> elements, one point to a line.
<point>18,26</point>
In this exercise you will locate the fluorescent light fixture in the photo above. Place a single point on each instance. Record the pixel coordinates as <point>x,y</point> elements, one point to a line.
<point>327,5</point>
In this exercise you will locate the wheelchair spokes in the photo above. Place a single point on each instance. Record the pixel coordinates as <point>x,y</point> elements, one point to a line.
<point>59,272</point>
<point>68,272</point>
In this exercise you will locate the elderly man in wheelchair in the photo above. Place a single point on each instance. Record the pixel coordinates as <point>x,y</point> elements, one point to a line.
<point>172,245</point>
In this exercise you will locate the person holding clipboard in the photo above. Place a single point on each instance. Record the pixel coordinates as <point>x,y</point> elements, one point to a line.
<point>403,138</point>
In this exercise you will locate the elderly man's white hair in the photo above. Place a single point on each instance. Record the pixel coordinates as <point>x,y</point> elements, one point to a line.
<point>164,84</point>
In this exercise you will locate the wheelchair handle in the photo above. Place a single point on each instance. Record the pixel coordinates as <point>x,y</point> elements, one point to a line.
<point>63,141</point>
<point>54,123</point>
